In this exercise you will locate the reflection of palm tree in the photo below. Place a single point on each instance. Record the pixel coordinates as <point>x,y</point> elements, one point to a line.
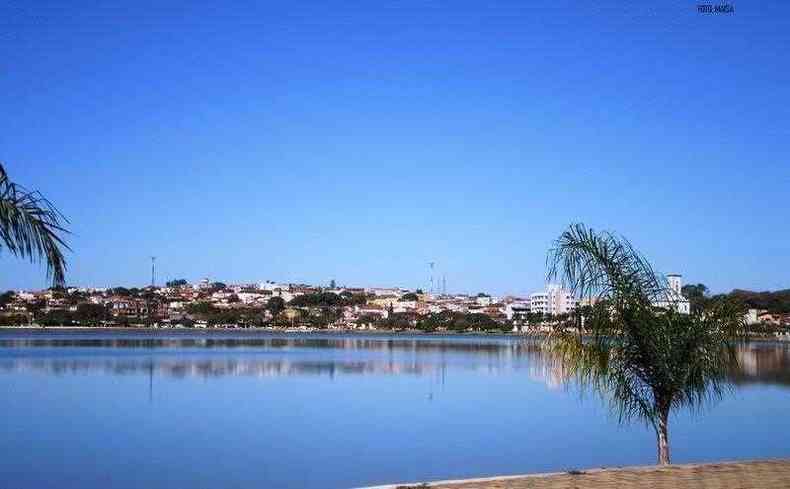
<point>647,360</point>
<point>31,227</point>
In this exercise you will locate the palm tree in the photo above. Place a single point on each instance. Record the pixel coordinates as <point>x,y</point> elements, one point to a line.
<point>644,358</point>
<point>31,227</point>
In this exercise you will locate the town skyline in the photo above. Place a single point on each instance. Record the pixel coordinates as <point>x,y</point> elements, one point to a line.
<point>439,277</point>
<point>207,303</point>
<point>439,287</point>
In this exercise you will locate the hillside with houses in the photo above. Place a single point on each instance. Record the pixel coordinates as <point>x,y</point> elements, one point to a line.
<point>212,304</point>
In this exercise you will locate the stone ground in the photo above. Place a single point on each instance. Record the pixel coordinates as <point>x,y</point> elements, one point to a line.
<point>726,475</point>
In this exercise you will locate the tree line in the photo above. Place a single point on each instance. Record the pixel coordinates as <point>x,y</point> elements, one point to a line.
<point>773,301</point>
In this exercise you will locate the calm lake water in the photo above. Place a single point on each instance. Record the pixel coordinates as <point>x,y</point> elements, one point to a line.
<point>98,409</point>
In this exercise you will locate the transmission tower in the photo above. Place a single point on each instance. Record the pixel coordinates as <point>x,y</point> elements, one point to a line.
<point>430,266</point>
<point>153,271</point>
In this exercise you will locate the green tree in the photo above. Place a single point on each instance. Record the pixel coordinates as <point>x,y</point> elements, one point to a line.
<point>13,320</point>
<point>6,298</point>
<point>32,228</point>
<point>776,302</point>
<point>697,294</point>
<point>276,305</point>
<point>120,291</point>
<point>88,313</point>
<point>351,299</point>
<point>459,321</point>
<point>410,297</point>
<point>646,360</point>
<point>332,284</point>
<point>534,318</point>
<point>201,308</point>
<point>318,299</point>
<point>177,283</point>
<point>35,307</point>
<point>57,317</point>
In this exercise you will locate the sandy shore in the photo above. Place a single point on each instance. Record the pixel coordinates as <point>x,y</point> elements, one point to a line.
<point>723,475</point>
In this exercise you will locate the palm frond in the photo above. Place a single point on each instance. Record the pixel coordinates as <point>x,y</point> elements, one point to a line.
<point>32,228</point>
<point>600,264</point>
<point>644,359</point>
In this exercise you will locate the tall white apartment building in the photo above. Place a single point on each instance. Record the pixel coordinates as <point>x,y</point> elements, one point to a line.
<point>554,300</point>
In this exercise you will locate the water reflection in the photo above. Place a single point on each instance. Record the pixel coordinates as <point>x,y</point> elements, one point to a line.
<point>229,341</point>
<point>206,355</point>
<point>200,367</point>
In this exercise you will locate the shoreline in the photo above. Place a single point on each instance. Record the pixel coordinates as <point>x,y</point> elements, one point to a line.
<point>725,474</point>
<point>253,331</point>
<point>391,332</point>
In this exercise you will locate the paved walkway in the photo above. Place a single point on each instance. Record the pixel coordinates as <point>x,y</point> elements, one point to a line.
<point>728,475</point>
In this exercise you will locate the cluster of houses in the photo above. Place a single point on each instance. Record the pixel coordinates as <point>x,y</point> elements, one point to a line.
<point>171,304</point>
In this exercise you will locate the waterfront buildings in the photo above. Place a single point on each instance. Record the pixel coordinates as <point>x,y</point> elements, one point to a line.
<point>186,303</point>
<point>553,301</point>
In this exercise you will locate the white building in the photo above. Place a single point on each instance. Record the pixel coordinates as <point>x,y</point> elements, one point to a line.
<point>484,300</point>
<point>269,285</point>
<point>753,315</point>
<point>379,291</point>
<point>675,299</point>
<point>554,300</point>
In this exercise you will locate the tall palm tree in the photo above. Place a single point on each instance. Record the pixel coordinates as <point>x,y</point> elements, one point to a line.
<point>32,228</point>
<point>633,347</point>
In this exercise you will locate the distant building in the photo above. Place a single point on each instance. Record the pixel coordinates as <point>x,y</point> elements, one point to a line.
<point>769,318</point>
<point>675,299</point>
<point>384,301</point>
<point>588,301</point>
<point>484,300</point>
<point>392,291</point>
<point>554,300</point>
<point>752,315</point>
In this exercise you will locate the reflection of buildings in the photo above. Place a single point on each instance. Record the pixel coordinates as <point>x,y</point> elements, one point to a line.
<point>269,357</point>
<point>202,367</point>
<point>763,362</point>
<point>329,355</point>
<point>549,371</point>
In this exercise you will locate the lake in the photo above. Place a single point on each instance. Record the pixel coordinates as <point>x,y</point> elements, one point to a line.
<point>234,409</point>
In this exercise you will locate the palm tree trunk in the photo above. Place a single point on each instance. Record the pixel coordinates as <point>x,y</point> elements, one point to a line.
<point>662,433</point>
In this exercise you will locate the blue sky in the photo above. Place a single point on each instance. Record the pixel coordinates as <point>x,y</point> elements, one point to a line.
<point>306,141</point>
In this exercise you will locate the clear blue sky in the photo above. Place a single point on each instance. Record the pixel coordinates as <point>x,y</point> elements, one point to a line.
<point>305,141</point>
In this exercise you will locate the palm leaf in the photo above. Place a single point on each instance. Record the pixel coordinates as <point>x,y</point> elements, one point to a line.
<point>32,228</point>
